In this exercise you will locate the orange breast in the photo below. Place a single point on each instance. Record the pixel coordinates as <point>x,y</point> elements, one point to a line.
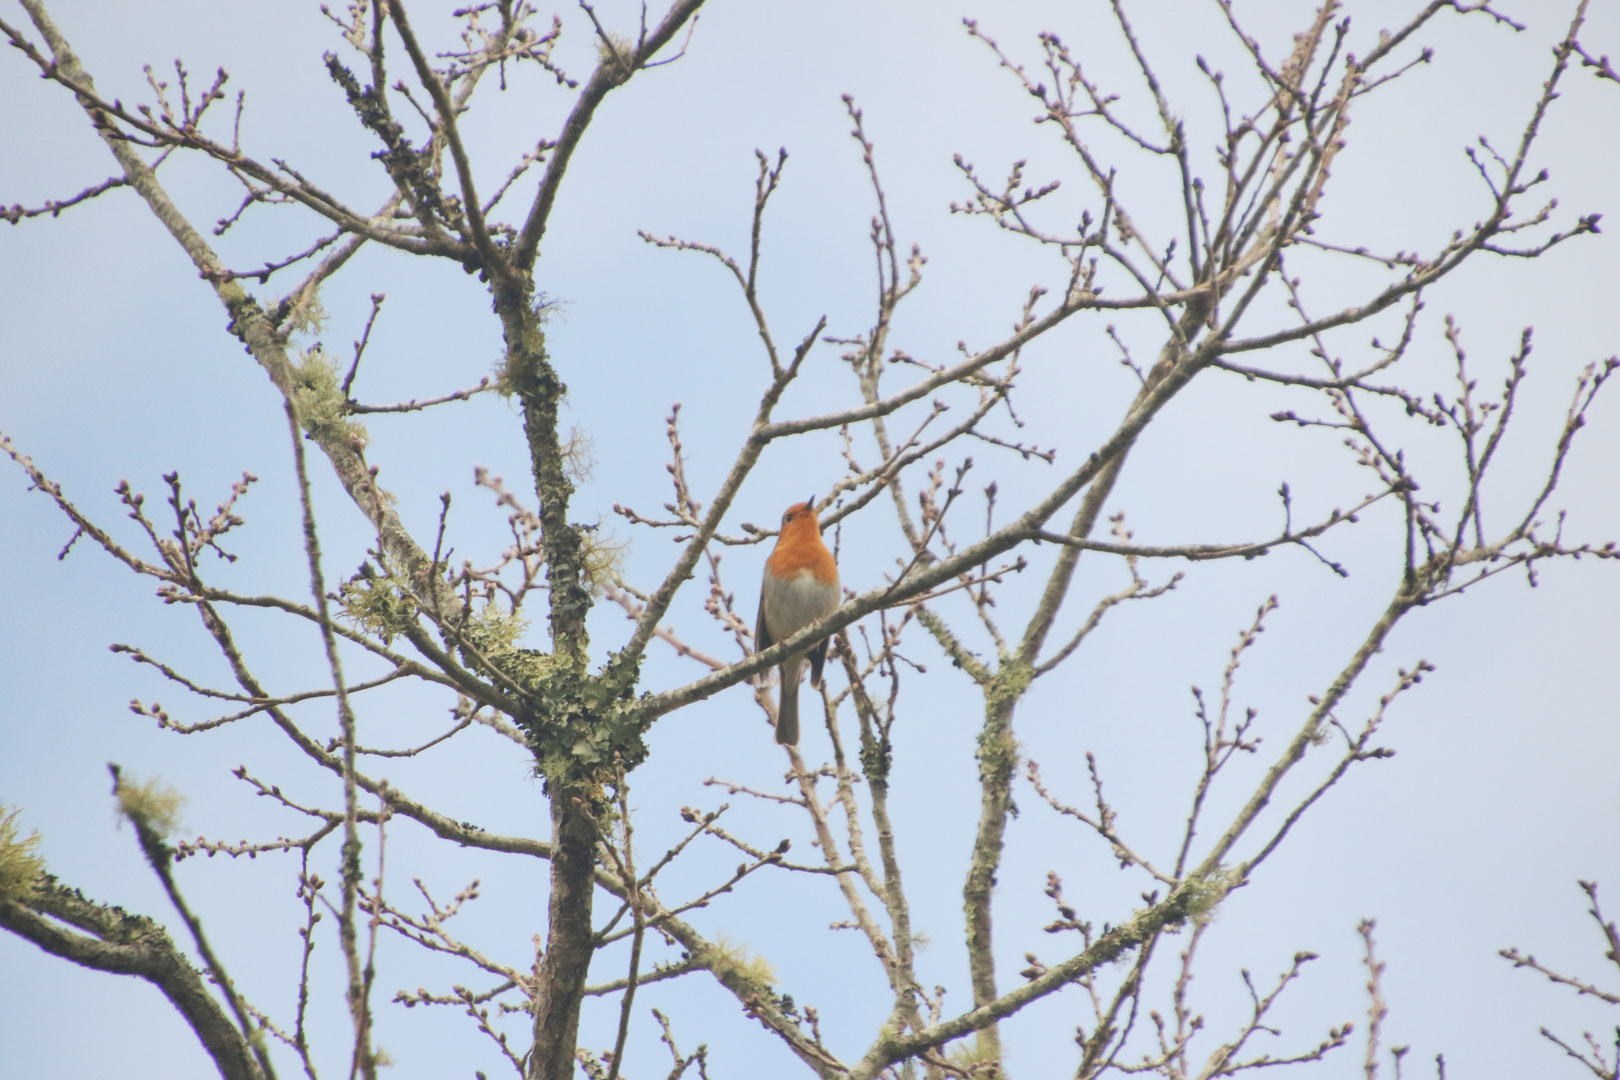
<point>800,548</point>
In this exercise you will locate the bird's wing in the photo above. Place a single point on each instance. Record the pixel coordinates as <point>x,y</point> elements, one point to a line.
<point>818,657</point>
<point>762,633</point>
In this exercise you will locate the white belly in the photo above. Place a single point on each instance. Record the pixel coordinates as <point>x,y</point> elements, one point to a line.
<point>798,602</point>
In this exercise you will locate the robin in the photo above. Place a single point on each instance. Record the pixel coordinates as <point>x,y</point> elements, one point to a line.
<point>800,587</point>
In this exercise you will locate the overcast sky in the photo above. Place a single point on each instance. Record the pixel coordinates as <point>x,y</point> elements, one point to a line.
<point>115,363</point>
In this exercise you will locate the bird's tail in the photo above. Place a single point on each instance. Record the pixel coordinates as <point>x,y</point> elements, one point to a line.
<point>787,712</point>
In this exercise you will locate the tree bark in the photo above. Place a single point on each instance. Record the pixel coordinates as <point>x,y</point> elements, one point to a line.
<point>569,944</point>
<point>126,944</point>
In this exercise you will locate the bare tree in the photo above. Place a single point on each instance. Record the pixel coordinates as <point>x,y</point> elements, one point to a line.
<point>1602,1061</point>
<point>1219,276</point>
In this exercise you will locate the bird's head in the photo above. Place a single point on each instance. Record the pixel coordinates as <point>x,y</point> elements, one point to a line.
<point>799,512</point>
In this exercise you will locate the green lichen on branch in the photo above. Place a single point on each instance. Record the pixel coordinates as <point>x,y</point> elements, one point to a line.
<point>1197,900</point>
<point>494,630</point>
<point>603,561</point>
<point>308,316</point>
<point>742,961</point>
<point>877,753</point>
<point>20,862</point>
<point>151,807</point>
<point>998,754</point>
<point>318,400</point>
<point>601,555</point>
<point>978,1052</point>
<point>375,604</point>
<point>580,724</point>
<point>585,727</point>
<point>579,455</point>
<point>411,169</point>
<point>998,748</point>
<point>616,48</point>
<point>492,633</point>
<point>1202,895</point>
<point>541,310</point>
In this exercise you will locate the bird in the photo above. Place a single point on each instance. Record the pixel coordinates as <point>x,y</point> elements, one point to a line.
<point>800,587</point>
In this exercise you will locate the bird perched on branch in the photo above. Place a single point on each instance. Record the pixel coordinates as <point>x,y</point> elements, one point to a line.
<point>800,587</point>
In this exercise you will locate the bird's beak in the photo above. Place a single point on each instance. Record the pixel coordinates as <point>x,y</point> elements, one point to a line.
<point>810,504</point>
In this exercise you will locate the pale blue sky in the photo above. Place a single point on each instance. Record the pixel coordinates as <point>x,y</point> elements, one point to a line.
<point>114,363</point>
